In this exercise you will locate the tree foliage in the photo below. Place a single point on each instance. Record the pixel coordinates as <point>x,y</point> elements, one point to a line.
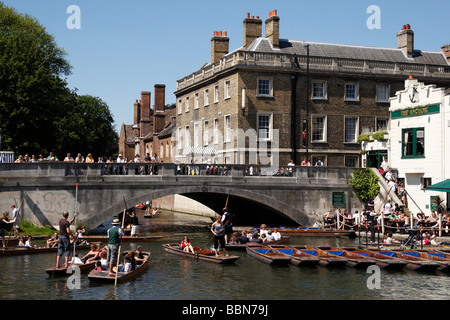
<point>36,107</point>
<point>365,184</point>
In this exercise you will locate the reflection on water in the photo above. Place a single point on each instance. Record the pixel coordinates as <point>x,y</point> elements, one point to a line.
<point>172,277</point>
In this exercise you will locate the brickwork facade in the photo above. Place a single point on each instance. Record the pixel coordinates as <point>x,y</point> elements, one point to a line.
<point>262,88</point>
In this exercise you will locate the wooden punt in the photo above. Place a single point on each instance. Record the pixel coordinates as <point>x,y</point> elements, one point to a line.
<point>353,260</point>
<point>440,257</point>
<point>122,239</point>
<point>18,251</point>
<point>61,271</point>
<point>326,259</point>
<point>298,257</point>
<point>268,255</point>
<point>104,277</point>
<point>238,246</point>
<point>201,254</point>
<point>414,263</point>
<point>383,261</point>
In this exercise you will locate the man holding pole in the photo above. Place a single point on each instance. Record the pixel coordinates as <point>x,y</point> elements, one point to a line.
<point>64,239</point>
<point>114,235</point>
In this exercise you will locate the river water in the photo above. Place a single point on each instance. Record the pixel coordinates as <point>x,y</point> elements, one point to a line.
<point>171,277</point>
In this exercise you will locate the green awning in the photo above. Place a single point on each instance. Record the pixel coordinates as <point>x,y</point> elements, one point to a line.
<point>443,186</point>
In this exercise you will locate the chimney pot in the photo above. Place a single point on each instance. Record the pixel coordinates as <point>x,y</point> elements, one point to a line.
<point>248,15</point>
<point>224,33</point>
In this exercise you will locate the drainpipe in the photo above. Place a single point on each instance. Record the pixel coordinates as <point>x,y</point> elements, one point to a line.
<point>294,126</point>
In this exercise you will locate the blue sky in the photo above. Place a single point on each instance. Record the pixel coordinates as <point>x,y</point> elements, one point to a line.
<point>125,47</point>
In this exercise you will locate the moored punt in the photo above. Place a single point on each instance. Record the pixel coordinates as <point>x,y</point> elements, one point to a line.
<point>104,275</point>
<point>18,251</point>
<point>200,254</point>
<point>326,259</point>
<point>268,255</point>
<point>238,246</point>
<point>382,260</point>
<point>354,260</point>
<point>298,257</point>
<point>122,239</point>
<point>62,271</point>
<point>414,263</point>
<point>440,257</point>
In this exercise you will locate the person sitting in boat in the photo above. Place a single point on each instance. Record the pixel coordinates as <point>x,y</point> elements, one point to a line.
<point>53,241</point>
<point>76,259</point>
<point>185,245</point>
<point>269,236</point>
<point>276,234</point>
<point>139,257</point>
<point>154,212</point>
<point>434,242</point>
<point>103,260</point>
<point>92,255</point>
<point>29,243</point>
<point>243,239</point>
<point>234,238</point>
<point>128,266</point>
<point>263,230</point>
<point>21,243</point>
<point>256,238</point>
<point>389,240</point>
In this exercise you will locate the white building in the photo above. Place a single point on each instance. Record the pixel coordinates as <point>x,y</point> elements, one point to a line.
<point>420,140</point>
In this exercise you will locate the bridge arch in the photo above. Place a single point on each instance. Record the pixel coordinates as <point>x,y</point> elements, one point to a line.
<point>240,202</point>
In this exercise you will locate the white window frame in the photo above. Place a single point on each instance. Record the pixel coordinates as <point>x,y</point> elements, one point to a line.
<point>356,129</point>
<point>270,80</point>
<point>227,90</point>
<point>216,130</point>
<point>187,137</point>
<point>206,98</point>
<point>324,129</point>
<point>324,90</point>
<point>196,103</point>
<point>187,104</point>
<point>205,133</point>
<point>270,128</point>
<point>387,93</point>
<point>196,134</point>
<point>227,127</point>
<point>180,133</point>
<point>180,106</point>
<point>216,94</point>
<point>376,124</point>
<point>346,97</point>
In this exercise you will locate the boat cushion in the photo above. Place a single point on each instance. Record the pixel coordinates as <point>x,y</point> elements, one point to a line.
<point>337,253</point>
<point>363,254</point>
<point>312,252</point>
<point>437,254</point>
<point>412,254</point>
<point>287,251</point>
<point>389,253</point>
<point>262,250</point>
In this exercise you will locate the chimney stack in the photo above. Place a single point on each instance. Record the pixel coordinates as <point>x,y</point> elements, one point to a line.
<point>273,29</point>
<point>446,50</point>
<point>405,40</point>
<point>219,45</point>
<point>145,122</point>
<point>252,30</point>
<point>159,114</point>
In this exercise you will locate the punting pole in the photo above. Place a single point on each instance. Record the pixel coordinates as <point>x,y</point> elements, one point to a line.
<point>76,201</point>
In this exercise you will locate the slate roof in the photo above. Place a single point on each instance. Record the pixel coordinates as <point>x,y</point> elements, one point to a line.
<point>330,50</point>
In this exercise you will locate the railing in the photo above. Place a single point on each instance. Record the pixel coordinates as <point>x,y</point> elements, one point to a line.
<point>270,59</point>
<point>62,169</point>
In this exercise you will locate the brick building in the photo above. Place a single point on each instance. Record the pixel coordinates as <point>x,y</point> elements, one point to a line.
<point>297,98</point>
<point>151,131</point>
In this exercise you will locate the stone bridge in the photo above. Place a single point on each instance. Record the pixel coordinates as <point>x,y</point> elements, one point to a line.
<point>256,194</point>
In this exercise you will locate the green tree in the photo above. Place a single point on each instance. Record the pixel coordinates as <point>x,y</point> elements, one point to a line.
<point>32,90</point>
<point>38,113</point>
<point>88,128</point>
<point>365,184</point>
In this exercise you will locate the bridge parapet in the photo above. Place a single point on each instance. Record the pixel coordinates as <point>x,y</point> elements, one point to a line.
<point>64,169</point>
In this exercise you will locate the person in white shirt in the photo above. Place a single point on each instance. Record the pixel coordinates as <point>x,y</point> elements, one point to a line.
<point>387,208</point>
<point>276,234</point>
